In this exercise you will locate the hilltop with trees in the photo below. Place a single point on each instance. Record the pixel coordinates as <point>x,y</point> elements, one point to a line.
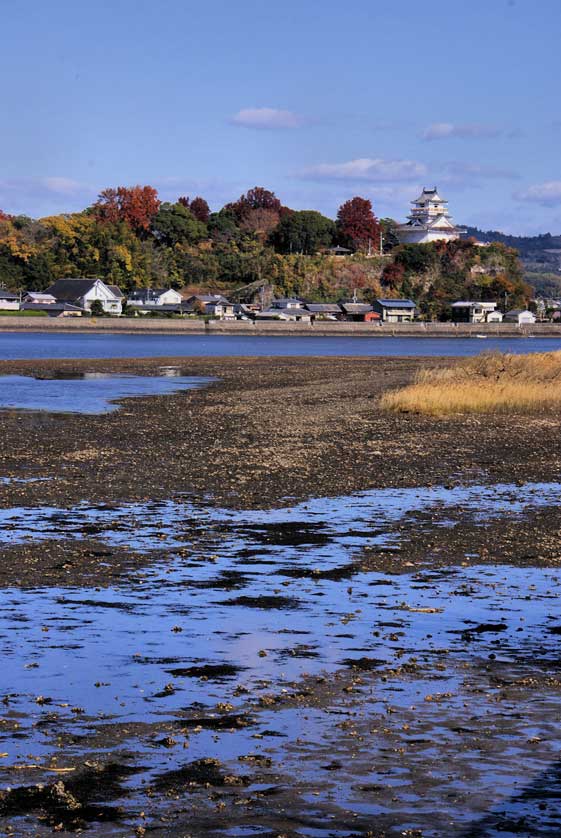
<point>130,238</point>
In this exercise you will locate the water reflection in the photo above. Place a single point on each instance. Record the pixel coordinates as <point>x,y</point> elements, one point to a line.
<point>414,701</point>
<point>89,392</point>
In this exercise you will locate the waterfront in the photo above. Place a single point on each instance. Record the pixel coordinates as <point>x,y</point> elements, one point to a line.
<point>16,346</point>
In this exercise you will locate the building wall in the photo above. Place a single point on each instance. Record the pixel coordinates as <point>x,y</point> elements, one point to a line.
<point>170,297</point>
<point>101,292</point>
<point>423,237</point>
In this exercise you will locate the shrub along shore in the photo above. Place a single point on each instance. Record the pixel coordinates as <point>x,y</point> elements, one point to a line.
<point>489,383</point>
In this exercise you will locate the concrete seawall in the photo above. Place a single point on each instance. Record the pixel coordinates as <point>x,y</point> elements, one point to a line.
<point>326,329</point>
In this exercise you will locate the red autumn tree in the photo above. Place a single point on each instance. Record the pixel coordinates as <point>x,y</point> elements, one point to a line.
<point>257,198</point>
<point>136,205</point>
<point>200,209</point>
<point>392,275</point>
<point>198,206</point>
<point>358,226</point>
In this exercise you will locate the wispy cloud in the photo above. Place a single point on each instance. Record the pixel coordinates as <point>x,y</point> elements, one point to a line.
<point>547,194</point>
<point>365,170</point>
<point>473,130</point>
<point>463,174</point>
<point>271,119</point>
<point>44,195</point>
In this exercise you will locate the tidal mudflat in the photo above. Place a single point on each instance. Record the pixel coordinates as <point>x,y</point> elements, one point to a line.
<point>361,640</point>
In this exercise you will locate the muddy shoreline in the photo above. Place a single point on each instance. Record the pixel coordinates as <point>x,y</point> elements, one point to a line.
<point>267,608</point>
<point>270,431</point>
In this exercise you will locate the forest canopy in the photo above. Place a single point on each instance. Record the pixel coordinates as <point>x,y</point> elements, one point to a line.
<point>130,238</point>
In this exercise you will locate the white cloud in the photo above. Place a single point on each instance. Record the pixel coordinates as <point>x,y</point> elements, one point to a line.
<point>37,196</point>
<point>445,130</point>
<point>548,194</point>
<point>267,118</point>
<point>470,174</point>
<point>366,170</point>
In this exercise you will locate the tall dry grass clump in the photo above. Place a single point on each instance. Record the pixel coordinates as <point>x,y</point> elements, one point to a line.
<point>491,382</point>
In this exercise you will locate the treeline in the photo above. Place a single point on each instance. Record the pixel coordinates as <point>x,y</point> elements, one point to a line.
<point>527,246</point>
<point>130,238</point>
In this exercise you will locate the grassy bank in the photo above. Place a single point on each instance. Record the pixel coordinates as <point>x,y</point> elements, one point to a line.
<point>492,382</point>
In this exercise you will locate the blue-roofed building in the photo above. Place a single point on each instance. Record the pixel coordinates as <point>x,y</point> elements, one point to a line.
<point>395,311</point>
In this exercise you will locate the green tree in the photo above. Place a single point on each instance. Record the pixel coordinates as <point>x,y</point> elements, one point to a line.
<point>96,309</point>
<point>175,224</point>
<point>303,232</point>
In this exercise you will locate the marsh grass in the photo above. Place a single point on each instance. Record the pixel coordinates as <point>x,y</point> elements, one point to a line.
<point>489,383</point>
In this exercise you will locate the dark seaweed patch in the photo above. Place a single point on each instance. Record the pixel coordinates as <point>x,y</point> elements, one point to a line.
<point>283,603</point>
<point>208,670</point>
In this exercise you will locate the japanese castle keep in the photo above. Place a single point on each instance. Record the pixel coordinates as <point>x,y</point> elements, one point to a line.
<point>429,221</point>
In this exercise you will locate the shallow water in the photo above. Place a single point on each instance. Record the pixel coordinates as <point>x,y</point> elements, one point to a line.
<point>322,527</point>
<point>240,607</point>
<point>38,345</point>
<point>88,392</point>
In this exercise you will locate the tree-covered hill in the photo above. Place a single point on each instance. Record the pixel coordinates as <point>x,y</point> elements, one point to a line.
<point>540,255</point>
<point>130,238</point>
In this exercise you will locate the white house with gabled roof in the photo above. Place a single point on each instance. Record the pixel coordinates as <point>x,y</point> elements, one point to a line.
<point>83,292</point>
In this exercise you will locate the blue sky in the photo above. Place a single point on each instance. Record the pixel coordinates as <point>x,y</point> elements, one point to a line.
<point>318,101</point>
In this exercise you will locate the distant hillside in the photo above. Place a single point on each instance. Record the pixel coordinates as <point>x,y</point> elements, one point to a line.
<point>540,255</point>
<point>526,245</point>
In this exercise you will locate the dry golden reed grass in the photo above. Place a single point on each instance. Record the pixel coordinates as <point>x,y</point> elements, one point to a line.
<point>489,383</point>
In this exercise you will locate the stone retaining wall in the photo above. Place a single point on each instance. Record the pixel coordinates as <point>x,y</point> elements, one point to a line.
<point>327,328</point>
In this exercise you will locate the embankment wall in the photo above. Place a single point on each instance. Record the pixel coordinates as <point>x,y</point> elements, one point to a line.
<point>327,329</point>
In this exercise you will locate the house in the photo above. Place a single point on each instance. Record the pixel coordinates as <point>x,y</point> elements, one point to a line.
<point>215,305</point>
<point>40,297</point>
<point>395,311</point>
<point>159,310</point>
<point>521,316</point>
<point>84,292</point>
<point>288,303</point>
<point>54,309</point>
<point>118,293</point>
<point>154,297</point>
<point>8,301</point>
<point>339,251</point>
<point>475,312</point>
<point>294,315</point>
<point>359,312</point>
<point>201,301</point>
<point>222,309</point>
<point>495,316</point>
<point>244,311</point>
<point>324,311</point>
<point>429,221</point>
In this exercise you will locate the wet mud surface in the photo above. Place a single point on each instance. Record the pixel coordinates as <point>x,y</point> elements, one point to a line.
<point>378,661</point>
<point>269,431</point>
